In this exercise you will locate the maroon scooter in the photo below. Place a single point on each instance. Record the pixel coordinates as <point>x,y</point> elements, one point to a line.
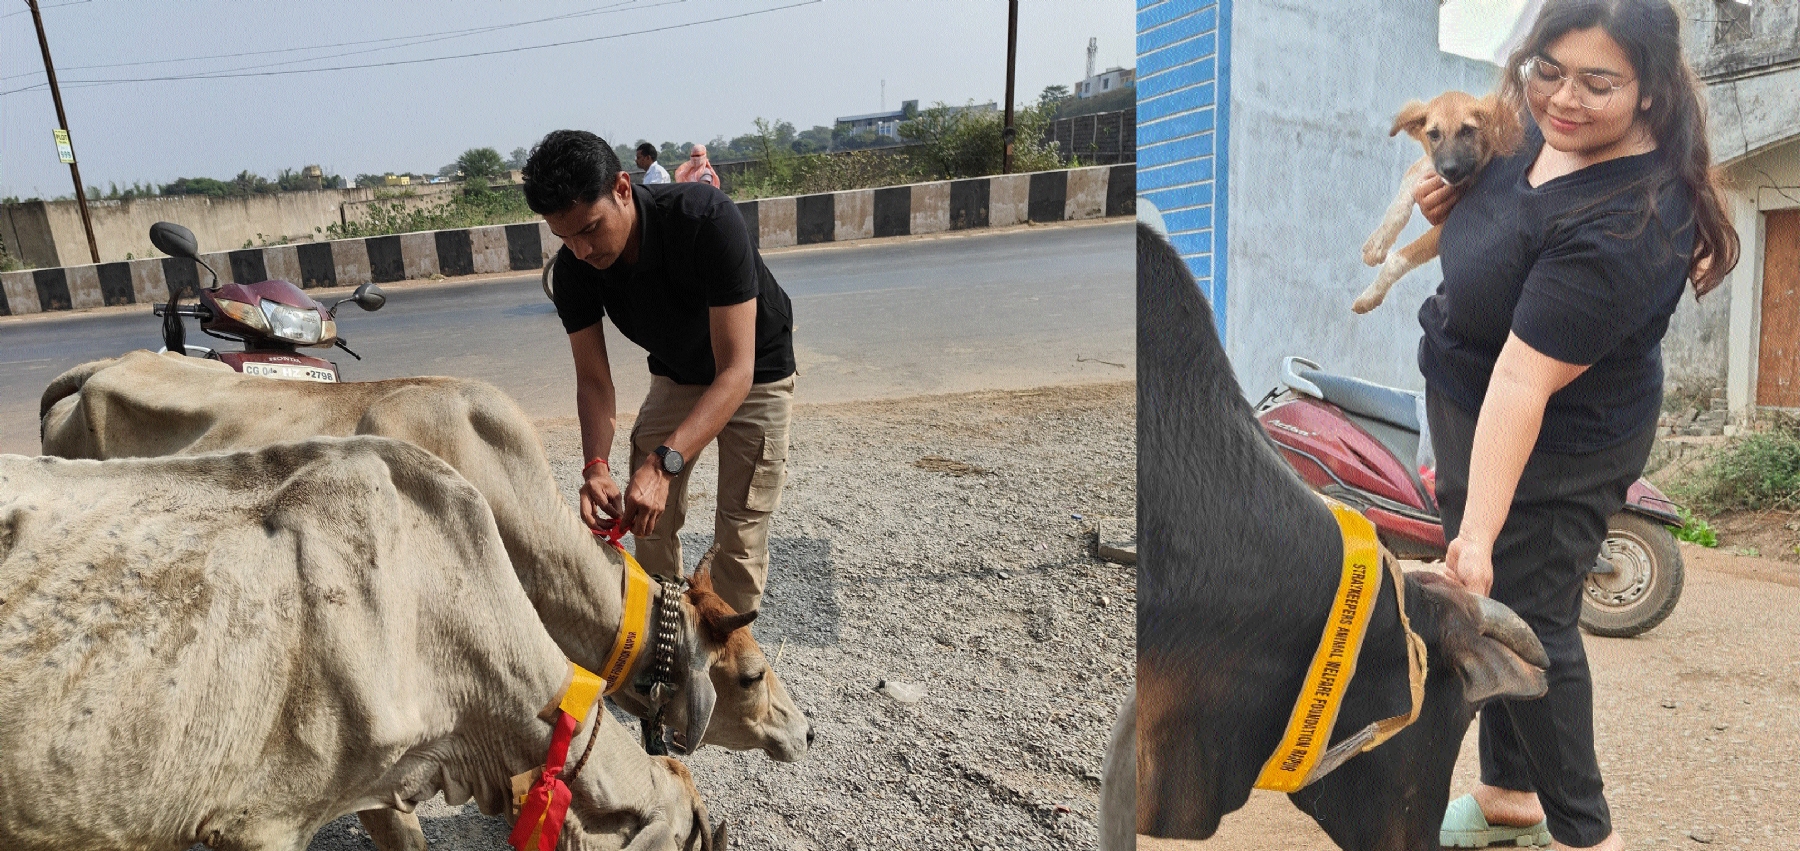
<point>271,318</point>
<point>1369,446</point>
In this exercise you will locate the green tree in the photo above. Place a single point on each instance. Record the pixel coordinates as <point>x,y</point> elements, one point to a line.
<point>813,141</point>
<point>518,158</point>
<point>1052,95</point>
<point>478,165</point>
<point>967,143</point>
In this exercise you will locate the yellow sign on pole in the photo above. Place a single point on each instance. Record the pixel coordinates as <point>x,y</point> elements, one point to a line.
<point>64,150</point>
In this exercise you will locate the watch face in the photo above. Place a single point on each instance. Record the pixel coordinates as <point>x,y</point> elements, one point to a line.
<point>671,461</point>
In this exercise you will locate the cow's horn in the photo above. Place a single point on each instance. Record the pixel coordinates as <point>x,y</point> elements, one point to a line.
<point>1504,625</point>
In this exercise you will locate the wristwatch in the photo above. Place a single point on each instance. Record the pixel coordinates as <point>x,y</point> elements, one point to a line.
<point>671,460</point>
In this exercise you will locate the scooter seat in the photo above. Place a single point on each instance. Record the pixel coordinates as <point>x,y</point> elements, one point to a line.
<point>1375,401</point>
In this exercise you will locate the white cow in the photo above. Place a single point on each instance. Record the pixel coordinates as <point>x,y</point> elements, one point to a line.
<point>143,404</point>
<point>236,649</point>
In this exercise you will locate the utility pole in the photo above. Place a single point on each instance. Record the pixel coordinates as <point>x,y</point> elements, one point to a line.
<point>1012,51</point>
<point>62,122</point>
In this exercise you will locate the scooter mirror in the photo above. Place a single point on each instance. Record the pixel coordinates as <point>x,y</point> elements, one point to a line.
<point>369,297</point>
<point>174,240</point>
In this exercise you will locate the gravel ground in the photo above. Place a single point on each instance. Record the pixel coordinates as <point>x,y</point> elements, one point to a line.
<point>1696,724</point>
<point>942,542</point>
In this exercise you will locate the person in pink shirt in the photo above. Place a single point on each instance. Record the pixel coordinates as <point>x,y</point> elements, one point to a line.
<point>698,169</point>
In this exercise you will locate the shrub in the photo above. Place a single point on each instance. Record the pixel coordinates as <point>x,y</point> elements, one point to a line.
<point>1751,472</point>
<point>461,210</point>
<point>1695,530</point>
<point>961,144</point>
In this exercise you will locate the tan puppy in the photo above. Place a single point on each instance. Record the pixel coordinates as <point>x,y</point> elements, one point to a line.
<point>1460,133</point>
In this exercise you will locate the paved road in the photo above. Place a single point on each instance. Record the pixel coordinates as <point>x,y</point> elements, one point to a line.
<point>880,319</point>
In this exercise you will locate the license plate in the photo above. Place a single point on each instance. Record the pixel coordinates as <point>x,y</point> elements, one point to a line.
<point>291,373</point>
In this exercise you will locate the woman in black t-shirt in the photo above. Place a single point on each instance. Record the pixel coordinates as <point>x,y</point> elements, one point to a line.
<point>1543,367</point>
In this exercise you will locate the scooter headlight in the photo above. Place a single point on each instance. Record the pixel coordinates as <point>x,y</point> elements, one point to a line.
<point>243,313</point>
<point>298,325</point>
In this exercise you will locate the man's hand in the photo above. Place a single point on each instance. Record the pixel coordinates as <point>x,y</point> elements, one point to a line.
<point>647,496</point>
<point>1471,564</point>
<point>599,495</point>
<point>1435,198</point>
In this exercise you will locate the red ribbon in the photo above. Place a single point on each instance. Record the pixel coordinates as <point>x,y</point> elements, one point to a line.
<point>547,804</point>
<point>614,535</point>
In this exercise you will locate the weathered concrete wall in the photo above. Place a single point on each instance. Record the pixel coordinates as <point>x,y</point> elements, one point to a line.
<point>1749,56</point>
<point>49,233</point>
<point>1312,168</point>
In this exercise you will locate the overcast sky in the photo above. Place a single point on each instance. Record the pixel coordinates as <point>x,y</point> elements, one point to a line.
<point>718,66</point>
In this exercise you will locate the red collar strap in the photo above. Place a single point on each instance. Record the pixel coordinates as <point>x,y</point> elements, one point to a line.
<point>546,803</point>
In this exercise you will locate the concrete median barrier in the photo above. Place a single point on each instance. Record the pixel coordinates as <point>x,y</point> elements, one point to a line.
<point>920,208</point>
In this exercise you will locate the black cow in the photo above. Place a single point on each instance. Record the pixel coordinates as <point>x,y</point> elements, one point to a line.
<point>1239,563</point>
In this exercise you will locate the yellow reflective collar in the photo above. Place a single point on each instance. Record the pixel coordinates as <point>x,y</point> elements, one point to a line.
<point>634,627</point>
<point>583,689</point>
<point>1334,663</point>
<point>1302,756</point>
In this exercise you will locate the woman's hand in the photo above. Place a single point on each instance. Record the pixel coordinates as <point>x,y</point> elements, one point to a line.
<point>1435,198</point>
<point>1471,564</point>
<point>599,495</point>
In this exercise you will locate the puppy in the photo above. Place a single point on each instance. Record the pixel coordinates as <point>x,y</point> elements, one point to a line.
<point>1460,133</point>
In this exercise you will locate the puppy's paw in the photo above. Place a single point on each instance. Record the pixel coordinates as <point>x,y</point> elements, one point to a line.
<point>1368,301</point>
<point>1374,252</point>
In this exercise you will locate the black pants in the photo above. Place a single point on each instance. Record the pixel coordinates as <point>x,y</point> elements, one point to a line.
<point>1552,536</point>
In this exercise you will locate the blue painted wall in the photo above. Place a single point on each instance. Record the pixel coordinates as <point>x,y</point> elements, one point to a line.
<point>1183,87</point>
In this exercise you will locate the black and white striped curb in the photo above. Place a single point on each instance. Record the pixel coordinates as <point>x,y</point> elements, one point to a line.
<point>920,208</point>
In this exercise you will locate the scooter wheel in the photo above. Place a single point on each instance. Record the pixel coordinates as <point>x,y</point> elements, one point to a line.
<point>549,285</point>
<point>1645,584</point>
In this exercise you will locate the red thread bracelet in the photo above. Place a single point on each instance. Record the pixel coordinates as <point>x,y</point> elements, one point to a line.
<point>590,465</point>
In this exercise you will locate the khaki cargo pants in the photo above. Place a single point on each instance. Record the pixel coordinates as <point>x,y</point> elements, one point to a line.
<point>752,468</point>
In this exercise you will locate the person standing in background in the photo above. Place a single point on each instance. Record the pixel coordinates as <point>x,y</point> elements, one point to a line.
<point>698,169</point>
<point>653,170</point>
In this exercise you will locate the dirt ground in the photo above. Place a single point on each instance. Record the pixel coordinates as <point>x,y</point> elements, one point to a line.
<point>943,542</point>
<point>1697,724</point>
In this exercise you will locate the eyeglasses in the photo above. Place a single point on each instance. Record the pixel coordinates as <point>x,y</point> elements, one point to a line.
<point>1544,79</point>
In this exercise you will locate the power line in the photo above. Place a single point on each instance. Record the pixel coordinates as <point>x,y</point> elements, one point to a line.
<point>41,8</point>
<point>398,62</point>
<point>418,38</point>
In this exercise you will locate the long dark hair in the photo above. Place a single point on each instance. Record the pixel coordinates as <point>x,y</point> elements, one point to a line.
<point>1649,31</point>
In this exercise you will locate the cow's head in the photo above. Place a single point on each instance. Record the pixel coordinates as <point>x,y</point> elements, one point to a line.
<point>754,711</point>
<point>726,692</point>
<point>1394,796</point>
<point>669,813</point>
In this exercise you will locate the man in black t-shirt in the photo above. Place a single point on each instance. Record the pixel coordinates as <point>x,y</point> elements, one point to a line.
<point>673,267</point>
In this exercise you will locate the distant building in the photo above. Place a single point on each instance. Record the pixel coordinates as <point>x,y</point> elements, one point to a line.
<point>1748,55</point>
<point>1112,79</point>
<point>888,123</point>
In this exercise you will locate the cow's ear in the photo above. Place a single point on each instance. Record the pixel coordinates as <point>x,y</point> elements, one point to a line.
<point>726,625</point>
<point>1491,670</point>
<point>1493,650</point>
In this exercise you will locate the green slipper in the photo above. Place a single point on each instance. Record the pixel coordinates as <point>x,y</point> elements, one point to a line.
<point>1465,827</point>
